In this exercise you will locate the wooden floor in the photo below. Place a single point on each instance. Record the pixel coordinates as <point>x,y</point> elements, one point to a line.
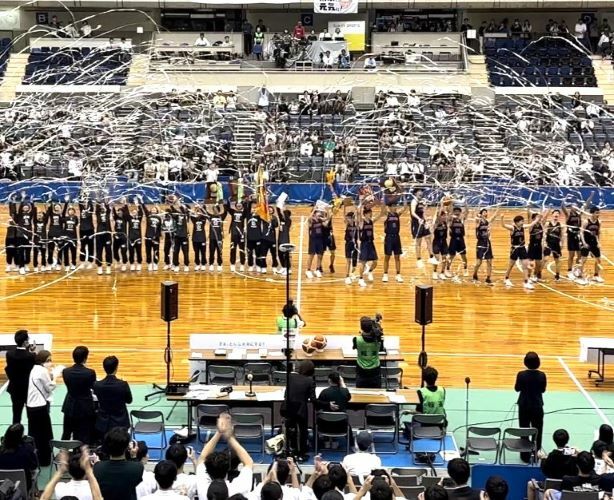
<point>479,331</point>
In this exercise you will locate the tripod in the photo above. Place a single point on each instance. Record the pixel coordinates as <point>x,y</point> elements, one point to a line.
<point>168,359</point>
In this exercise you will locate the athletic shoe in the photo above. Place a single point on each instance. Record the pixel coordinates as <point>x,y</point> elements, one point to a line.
<point>27,268</point>
<point>155,267</point>
<point>581,281</point>
<point>533,279</point>
<point>435,275</point>
<point>197,267</point>
<point>362,283</point>
<point>167,267</point>
<point>242,268</point>
<point>138,267</point>
<point>219,269</point>
<point>186,269</point>
<point>331,268</point>
<point>22,270</point>
<point>448,273</point>
<point>529,286</point>
<point>385,278</point>
<point>283,272</point>
<point>442,276</point>
<point>466,273</point>
<point>251,269</point>
<point>370,276</point>
<point>399,279</point>
<point>557,277</point>
<point>419,264</point>
<point>232,268</point>
<point>275,271</point>
<point>348,280</point>
<point>508,282</point>
<point>176,269</point>
<point>475,278</point>
<point>132,267</point>
<point>263,270</point>
<point>108,269</point>
<point>434,261</point>
<point>318,273</point>
<point>36,269</point>
<point>488,281</point>
<point>89,265</point>
<point>8,269</point>
<point>72,268</point>
<point>99,270</point>
<point>571,275</point>
<point>309,274</point>
<point>67,269</point>
<point>598,279</point>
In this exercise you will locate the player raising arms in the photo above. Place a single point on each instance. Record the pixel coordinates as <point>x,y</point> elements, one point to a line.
<point>483,248</point>
<point>518,250</point>
<point>554,234</point>
<point>573,223</point>
<point>316,241</point>
<point>351,246</point>
<point>419,227</point>
<point>392,239</point>
<point>536,247</point>
<point>589,235</point>
<point>367,256</point>
<point>440,241</point>
<point>457,239</point>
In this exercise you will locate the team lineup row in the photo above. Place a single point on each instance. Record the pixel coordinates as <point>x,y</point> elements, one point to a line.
<point>50,235</point>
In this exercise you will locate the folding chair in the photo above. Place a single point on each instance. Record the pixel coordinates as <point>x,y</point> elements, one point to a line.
<point>483,440</point>
<point>382,418</point>
<point>520,440</point>
<point>222,375</point>
<point>427,427</point>
<point>249,426</point>
<point>261,373</point>
<point>335,420</point>
<point>411,492</point>
<point>57,445</point>
<point>149,423</point>
<point>206,417</point>
<point>18,477</point>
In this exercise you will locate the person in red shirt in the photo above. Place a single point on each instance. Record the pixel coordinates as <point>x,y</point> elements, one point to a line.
<point>299,31</point>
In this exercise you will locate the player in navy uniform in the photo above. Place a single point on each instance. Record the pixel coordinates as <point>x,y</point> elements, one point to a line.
<point>554,235</point>
<point>440,242</point>
<point>419,227</point>
<point>103,237</point>
<point>253,228</point>
<point>457,239</point>
<point>518,250</point>
<point>135,236</point>
<point>199,237</point>
<point>483,247</point>
<point>316,242</point>
<point>55,236</point>
<point>392,240</point>
<point>86,232</point>
<point>216,215</point>
<point>70,223</point>
<point>329,241</point>
<point>238,216</point>
<point>367,256</point>
<point>153,231</point>
<point>11,237</point>
<point>351,246</point>
<point>573,223</point>
<point>591,230</point>
<point>536,248</point>
<point>39,241</point>
<point>120,235</point>
<point>285,223</point>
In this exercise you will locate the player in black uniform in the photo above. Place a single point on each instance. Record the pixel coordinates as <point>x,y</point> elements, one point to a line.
<point>268,243</point>
<point>167,228</point>
<point>591,230</point>
<point>283,237</point>
<point>419,227</point>
<point>179,212</point>
<point>86,232</point>
<point>483,247</point>
<point>536,248</point>
<point>351,246</point>
<point>153,231</point>
<point>24,219</point>
<point>253,225</point>
<point>120,235</point>
<point>518,250</point>
<point>39,241</point>
<point>199,237</point>
<point>573,223</point>
<point>70,224</point>
<point>316,221</point>
<point>216,215</point>
<point>135,236</point>
<point>11,238</point>
<point>440,242</point>
<point>329,241</point>
<point>367,256</point>
<point>238,215</point>
<point>104,237</point>
<point>457,239</point>
<point>554,235</point>
<point>55,236</point>
<point>392,240</point>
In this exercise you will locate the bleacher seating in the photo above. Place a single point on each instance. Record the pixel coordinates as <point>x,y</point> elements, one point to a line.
<point>77,66</point>
<point>545,62</point>
<point>5,52</point>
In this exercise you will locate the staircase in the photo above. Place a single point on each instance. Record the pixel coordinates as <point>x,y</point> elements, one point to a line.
<point>13,76</point>
<point>369,160</point>
<point>139,69</point>
<point>244,131</point>
<point>490,141</point>
<point>604,72</point>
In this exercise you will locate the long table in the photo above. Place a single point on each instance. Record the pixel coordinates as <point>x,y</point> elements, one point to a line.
<point>596,349</point>
<point>267,396</point>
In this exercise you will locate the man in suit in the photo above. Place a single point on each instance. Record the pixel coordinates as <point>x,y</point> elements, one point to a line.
<point>113,395</point>
<point>19,363</point>
<point>302,390</point>
<point>78,407</point>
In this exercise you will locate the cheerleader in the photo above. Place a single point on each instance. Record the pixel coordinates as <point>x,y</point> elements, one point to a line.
<point>153,226</point>
<point>351,246</point>
<point>216,215</point>
<point>104,237</point>
<point>135,236</point>
<point>238,216</point>
<point>70,223</point>
<point>268,243</point>
<point>199,237</point>
<point>285,223</point>
<point>55,236</point>
<point>40,240</point>
<point>120,235</point>
<point>179,213</point>
<point>86,232</point>
<point>24,220</point>
<point>10,239</point>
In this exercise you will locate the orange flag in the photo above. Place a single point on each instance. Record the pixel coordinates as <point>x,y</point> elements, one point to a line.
<point>263,204</point>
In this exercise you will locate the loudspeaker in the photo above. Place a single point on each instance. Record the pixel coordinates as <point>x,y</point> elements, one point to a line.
<point>169,300</point>
<point>424,304</point>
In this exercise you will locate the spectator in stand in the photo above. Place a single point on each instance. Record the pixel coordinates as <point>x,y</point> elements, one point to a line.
<point>584,480</point>
<point>16,453</point>
<point>496,488</point>
<point>248,40</point>
<point>113,395</point>
<point>344,60</point>
<point>71,31</point>
<point>458,470</point>
<point>526,27</point>
<point>85,29</point>
<point>299,31</point>
<point>279,472</point>
<point>363,461</point>
<point>337,35</point>
<point>603,45</point>
<point>328,61</point>
<point>261,25</point>
<point>165,473</point>
<point>19,364</point>
<point>54,23</point>
<point>325,36</point>
<point>380,488</point>
<point>335,398</point>
<point>201,41</point>
<point>516,28</point>
<point>465,26</point>
<point>78,466</point>
<point>435,492</point>
<point>313,36</point>
<point>78,407</point>
<point>370,64</point>
<point>581,32</point>
<point>118,477</point>
<point>185,483</point>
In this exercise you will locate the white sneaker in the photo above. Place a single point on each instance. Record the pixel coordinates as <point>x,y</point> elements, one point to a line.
<point>123,267</point>
<point>211,267</point>
<point>433,260</point>
<point>318,273</point>
<point>435,275</point>
<point>362,283</point>
<point>251,269</point>
<point>348,280</point>
<point>466,273</point>
<point>132,267</point>
<point>8,268</point>
<point>263,270</point>
<point>22,270</point>
<point>309,274</point>
<point>138,267</point>
<point>89,265</point>
<point>442,276</point>
<point>27,268</point>
<point>176,269</point>
<point>581,281</point>
<point>67,269</point>
<point>150,267</point>
<point>72,268</point>
<point>219,269</point>
<point>508,282</point>
<point>533,279</point>
<point>166,267</point>
<point>35,269</point>
<point>232,268</point>
<point>370,276</point>
<point>99,270</point>
<point>242,268</point>
<point>571,275</point>
<point>399,278</point>
<point>419,264</point>
<point>108,269</point>
<point>155,267</point>
<point>598,279</point>
<point>203,269</point>
<point>385,278</point>
<point>281,270</point>
<point>448,273</point>
<point>48,268</point>
<point>529,286</point>
<point>186,269</point>
<point>577,272</point>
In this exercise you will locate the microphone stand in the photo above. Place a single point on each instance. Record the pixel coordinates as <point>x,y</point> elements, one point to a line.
<point>250,393</point>
<point>466,451</point>
<point>287,248</point>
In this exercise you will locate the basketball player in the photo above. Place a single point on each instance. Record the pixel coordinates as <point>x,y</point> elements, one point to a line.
<point>199,237</point>
<point>367,256</point>
<point>11,237</point>
<point>55,236</point>
<point>179,213</point>
<point>120,235</point>
<point>268,243</point>
<point>24,219</point>
<point>483,248</point>
<point>573,224</point>
<point>135,236</point>
<point>440,242</point>
<point>392,240</point>
<point>536,251</point>
<point>103,237</point>
<point>70,223</point>
<point>457,239</point>
<point>153,231</point>
<point>285,223</point>
<point>316,242</point>
<point>518,250</point>
<point>554,234</point>
<point>351,246</point>
<point>329,241</point>
<point>253,236</point>
<point>237,234</point>
<point>86,232</point>
<point>419,227</point>
<point>167,228</point>
<point>216,215</point>
<point>589,235</point>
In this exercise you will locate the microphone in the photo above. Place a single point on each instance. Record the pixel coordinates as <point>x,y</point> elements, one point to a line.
<point>467,380</point>
<point>250,393</point>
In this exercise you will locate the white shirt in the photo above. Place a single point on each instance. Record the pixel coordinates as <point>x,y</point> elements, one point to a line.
<point>202,42</point>
<point>73,488</point>
<point>175,165</point>
<point>211,175</point>
<point>231,102</point>
<point>185,484</point>
<point>413,101</point>
<point>86,30</point>
<point>40,387</point>
<point>241,484</point>
<point>147,486</point>
<point>289,493</point>
<point>391,101</point>
<point>165,494</point>
<point>361,463</point>
<point>263,99</point>
<point>75,166</point>
<point>392,168</point>
<point>603,39</point>
<point>592,110</point>
<point>328,60</point>
<point>580,30</point>
<point>306,149</point>
<point>370,63</point>
<point>325,36</point>
<point>126,45</point>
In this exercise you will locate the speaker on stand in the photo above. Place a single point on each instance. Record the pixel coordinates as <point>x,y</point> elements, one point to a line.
<point>424,316</point>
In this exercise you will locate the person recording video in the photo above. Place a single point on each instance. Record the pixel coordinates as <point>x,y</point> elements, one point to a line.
<point>368,346</point>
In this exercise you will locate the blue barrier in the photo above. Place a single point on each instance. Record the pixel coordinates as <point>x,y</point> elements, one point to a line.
<point>473,194</point>
<point>517,477</point>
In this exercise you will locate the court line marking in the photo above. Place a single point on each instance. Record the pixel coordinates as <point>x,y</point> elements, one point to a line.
<point>585,393</point>
<point>299,278</point>
<point>584,301</point>
<point>40,287</point>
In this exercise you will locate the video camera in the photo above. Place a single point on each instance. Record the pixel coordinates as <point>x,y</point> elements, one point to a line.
<point>372,330</point>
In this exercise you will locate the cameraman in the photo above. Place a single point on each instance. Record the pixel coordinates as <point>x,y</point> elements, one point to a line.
<point>19,363</point>
<point>368,344</point>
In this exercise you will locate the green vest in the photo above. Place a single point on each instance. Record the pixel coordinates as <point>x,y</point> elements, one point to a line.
<point>282,323</point>
<point>433,401</point>
<point>368,354</point>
